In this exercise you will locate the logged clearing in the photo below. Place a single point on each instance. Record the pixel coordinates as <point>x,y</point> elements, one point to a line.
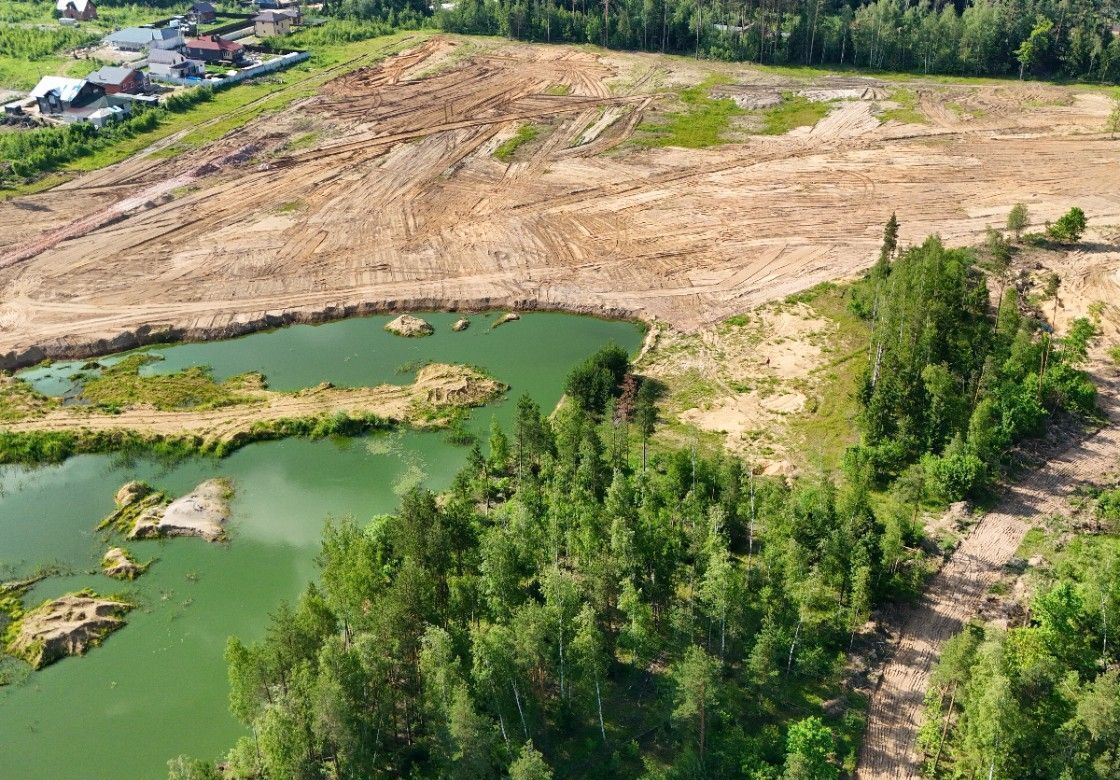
<point>438,391</point>
<point>385,191</point>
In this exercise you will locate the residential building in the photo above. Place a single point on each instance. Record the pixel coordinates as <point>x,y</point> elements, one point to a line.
<point>115,79</point>
<point>269,23</point>
<point>164,63</point>
<point>202,12</point>
<point>80,10</point>
<point>141,38</point>
<point>213,48</point>
<point>56,94</point>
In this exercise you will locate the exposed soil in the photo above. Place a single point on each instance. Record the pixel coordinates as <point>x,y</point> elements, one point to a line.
<point>66,626</point>
<point>400,203</point>
<point>203,512</point>
<point>117,564</point>
<point>438,388</point>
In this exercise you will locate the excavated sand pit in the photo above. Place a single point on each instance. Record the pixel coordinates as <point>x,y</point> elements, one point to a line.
<point>401,203</point>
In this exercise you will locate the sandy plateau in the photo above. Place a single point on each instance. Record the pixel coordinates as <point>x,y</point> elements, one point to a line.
<point>402,204</point>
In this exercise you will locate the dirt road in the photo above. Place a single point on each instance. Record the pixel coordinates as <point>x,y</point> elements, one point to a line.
<point>382,192</point>
<point>954,594</point>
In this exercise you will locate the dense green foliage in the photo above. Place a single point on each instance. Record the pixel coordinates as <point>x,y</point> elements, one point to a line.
<point>982,37</point>
<point>1040,700</point>
<point>951,385</point>
<point>566,609</point>
<point>34,43</point>
<point>38,447</point>
<point>29,152</point>
<point>599,378</point>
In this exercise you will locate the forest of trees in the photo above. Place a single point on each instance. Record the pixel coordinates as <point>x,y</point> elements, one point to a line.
<point>572,606</point>
<point>1045,38</point>
<point>950,385</point>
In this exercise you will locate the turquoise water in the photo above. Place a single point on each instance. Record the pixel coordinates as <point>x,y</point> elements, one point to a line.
<point>157,687</point>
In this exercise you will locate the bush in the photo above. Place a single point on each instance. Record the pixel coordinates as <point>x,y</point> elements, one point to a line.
<point>1069,227</point>
<point>955,474</point>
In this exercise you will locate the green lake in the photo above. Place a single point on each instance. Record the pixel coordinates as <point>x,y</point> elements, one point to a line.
<point>157,687</point>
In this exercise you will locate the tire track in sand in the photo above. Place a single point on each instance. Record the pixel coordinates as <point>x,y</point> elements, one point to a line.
<point>953,595</point>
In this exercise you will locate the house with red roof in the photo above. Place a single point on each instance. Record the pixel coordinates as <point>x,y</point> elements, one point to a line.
<point>214,48</point>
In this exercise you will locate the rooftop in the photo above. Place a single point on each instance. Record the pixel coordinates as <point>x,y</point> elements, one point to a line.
<point>142,34</point>
<point>80,5</point>
<point>213,43</point>
<point>68,89</point>
<point>110,74</point>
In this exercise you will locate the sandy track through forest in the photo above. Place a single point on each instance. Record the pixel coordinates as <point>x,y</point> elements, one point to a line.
<point>953,596</point>
<point>399,202</point>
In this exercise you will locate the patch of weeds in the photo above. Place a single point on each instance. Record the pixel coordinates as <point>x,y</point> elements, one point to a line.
<point>794,111</point>
<point>702,123</point>
<point>290,206</point>
<point>506,149</point>
<point>412,366</point>
<point>302,141</point>
<point>1114,354</point>
<point>558,89</point>
<point>738,321</point>
<point>827,425</point>
<point>999,588</point>
<point>18,400</point>
<point>907,111</point>
<point>121,385</point>
<point>1032,544</point>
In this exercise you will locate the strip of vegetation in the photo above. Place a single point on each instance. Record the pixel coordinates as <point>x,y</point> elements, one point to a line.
<point>907,111</point>
<point>39,447</point>
<point>703,122</point>
<point>121,385</point>
<point>794,111</point>
<point>525,134</point>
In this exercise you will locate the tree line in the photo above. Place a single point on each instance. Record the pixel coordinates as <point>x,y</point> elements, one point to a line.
<point>952,385</point>
<point>1040,698</point>
<point>1044,38</point>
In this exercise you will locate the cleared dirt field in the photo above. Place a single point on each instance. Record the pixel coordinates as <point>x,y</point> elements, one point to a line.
<point>383,192</point>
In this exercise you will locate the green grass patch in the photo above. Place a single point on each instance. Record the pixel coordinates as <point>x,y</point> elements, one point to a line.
<point>907,111</point>
<point>558,89</point>
<point>828,426</point>
<point>507,148</point>
<point>18,400</point>
<point>794,111</point>
<point>1034,540</point>
<point>702,122</point>
<point>121,385</point>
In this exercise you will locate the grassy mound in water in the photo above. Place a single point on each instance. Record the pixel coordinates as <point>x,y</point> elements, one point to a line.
<point>121,385</point>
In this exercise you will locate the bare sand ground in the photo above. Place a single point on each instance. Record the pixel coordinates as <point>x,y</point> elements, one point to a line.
<point>400,203</point>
